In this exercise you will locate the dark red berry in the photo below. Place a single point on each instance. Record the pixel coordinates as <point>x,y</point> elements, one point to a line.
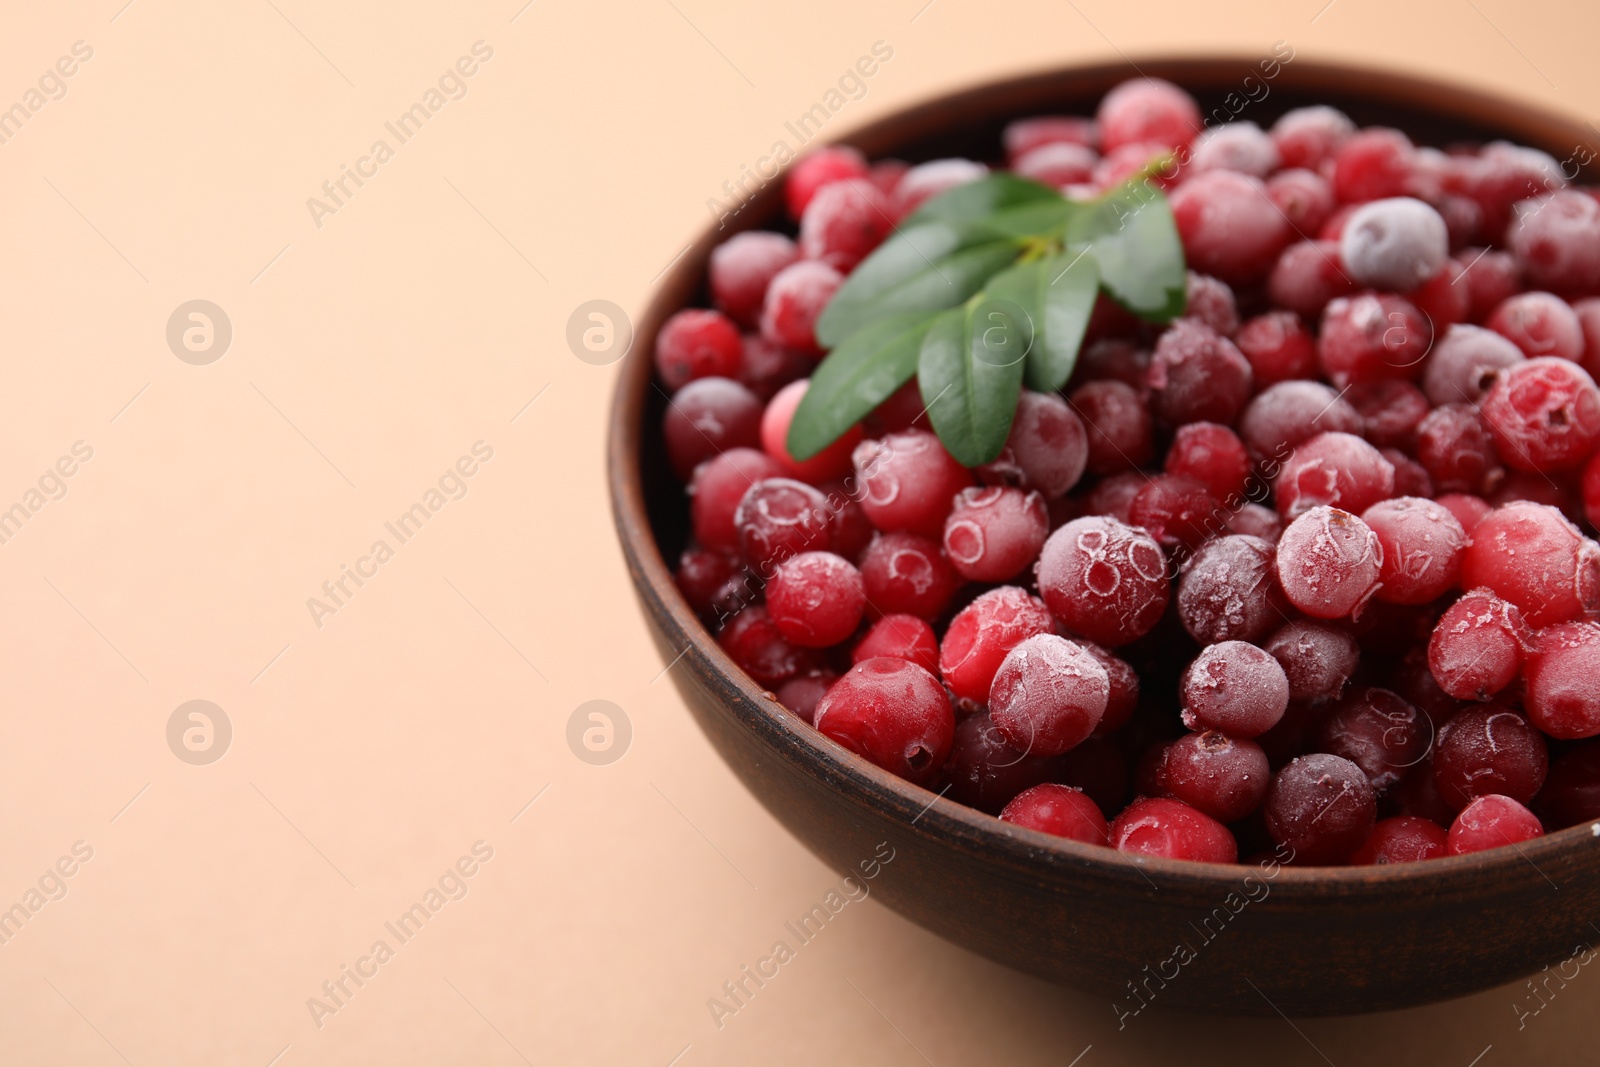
<point>1321,807</point>
<point>1379,731</point>
<point>1402,839</point>
<point>741,269</point>
<point>1235,688</point>
<point>1118,424</point>
<point>906,573</point>
<point>844,222</point>
<point>778,518</point>
<point>1317,660</point>
<point>1477,647</point>
<point>986,772</point>
<point>816,599</point>
<point>1373,335</point>
<point>831,163</point>
<point>1488,749</point>
<point>1197,375</point>
<point>707,417</point>
<point>1047,450</point>
<point>753,641</point>
<point>1229,591</point>
<point>719,484</point>
<point>1224,777</point>
<point>1104,580</point>
<point>1454,447</point>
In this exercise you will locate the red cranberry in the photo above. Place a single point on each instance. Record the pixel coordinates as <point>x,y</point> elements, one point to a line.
<point>1316,659</point>
<point>1443,298</point>
<point>901,637</point>
<point>1047,450</point>
<point>1391,410</point>
<point>1048,695</point>
<point>1488,749</point>
<point>753,641</point>
<point>1560,674</point>
<point>1283,415</point>
<point>1123,696</point>
<point>741,269</point>
<point>1328,563</point>
<point>904,410</point>
<point>925,181</point>
<point>1254,520</point>
<point>1059,810</point>
<point>1178,511</point>
<point>778,518</point>
<point>993,533</point>
<point>1211,301</point>
<point>1278,347</point>
<point>1422,545</point>
<point>844,222</point>
<point>696,343</point>
<point>1540,324</point>
<point>1591,491</point>
<point>1224,777</point>
<point>1304,196</point>
<point>906,573</point>
<point>719,484</point>
<point>1235,688</point>
<point>1104,580</point>
<point>1373,335</point>
<point>1402,839</point>
<point>1059,163</point>
<point>1212,454</point>
<point>1197,375</point>
<point>1229,225</point>
<point>1464,363</point>
<point>1504,174</point>
<point>766,366</point>
<point>1394,244</point>
<point>1173,830</point>
<point>1490,277</point>
<point>1333,470</point>
<point>1545,414</point>
<point>1380,732</point>
<point>1117,419</point>
<point>1229,591</point>
<point>893,713</point>
<point>1372,164</point>
<point>829,164</point>
<point>908,481</point>
<point>1588,312</point>
<point>1306,136</point>
<point>1308,276</point>
<point>1571,792</point>
<point>1147,109</point>
<point>1532,556</point>
<point>1322,807</point>
<point>886,174</point>
<point>1454,447</point>
<point>1024,135</point>
<point>1113,496</point>
<point>1490,822</point>
<point>1556,240</point>
<point>985,771</point>
<point>1476,649</point>
<point>703,575</point>
<point>1116,358</point>
<point>795,300</point>
<point>1467,509</point>
<point>832,462</point>
<point>816,599</point>
<point>983,633</point>
<point>707,417</point>
<point>802,693</point>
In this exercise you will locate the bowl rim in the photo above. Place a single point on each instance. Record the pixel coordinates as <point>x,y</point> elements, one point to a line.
<point>1026,851</point>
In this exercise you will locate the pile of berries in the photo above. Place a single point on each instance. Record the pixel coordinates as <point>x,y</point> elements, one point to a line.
<point>1305,570</point>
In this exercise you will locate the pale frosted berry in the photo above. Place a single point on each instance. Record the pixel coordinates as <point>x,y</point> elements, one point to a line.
<point>1022,136</point>
<point>741,269</point>
<point>1211,301</point>
<point>1147,109</point>
<point>1328,563</point>
<point>1279,348</point>
<point>1545,414</point>
<point>1402,839</point>
<point>1322,807</point>
<point>925,181</point>
<point>795,300</point>
<point>1118,424</point>
<point>778,518</point>
<point>1477,647</point>
<point>1317,659</point>
<point>1047,450</point>
<point>1532,556</point>
<point>1234,687</point>
<point>1333,470</point>
<point>907,573</point>
<point>1490,822</point>
<point>696,343</point>
<point>993,533</point>
<point>1058,163</point>
<point>1171,829</point>
<point>1561,671</point>
<point>1379,731</point>
<point>893,713</point>
<point>1197,375</point>
<point>1059,810</point>
<point>908,481</point>
<point>1224,777</point>
<point>844,222</point>
<point>1308,276</point>
<point>1486,749</point>
<point>1395,244</point>
<point>829,164</point>
<point>1104,580</point>
<point>982,633</point>
<point>832,462</point>
<point>1306,136</point>
<point>1540,324</point>
<point>816,599</point>
<point>718,486</point>
<point>1373,335</point>
<point>1372,164</point>
<point>1422,547</point>
<point>1282,416</point>
<point>1463,365</point>
<point>1556,240</point>
<point>1236,146</point>
<point>706,418</point>
<point>1048,695</point>
<point>1229,225</point>
<point>987,773</point>
<point>901,637</point>
<point>1229,591</point>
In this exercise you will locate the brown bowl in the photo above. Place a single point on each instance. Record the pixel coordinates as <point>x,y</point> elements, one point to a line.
<point>1230,938</point>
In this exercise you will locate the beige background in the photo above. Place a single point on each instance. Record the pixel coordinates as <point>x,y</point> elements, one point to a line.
<point>368,354</point>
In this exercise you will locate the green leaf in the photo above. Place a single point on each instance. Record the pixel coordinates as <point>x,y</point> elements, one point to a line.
<point>970,373</point>
<point>982,198</point>
<point>855,378</point>
<point>928,267</point>
<point>1134,240</point>
<point>1057,295</point>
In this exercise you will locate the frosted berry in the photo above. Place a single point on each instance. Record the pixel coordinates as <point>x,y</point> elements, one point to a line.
<point>985,772</point>
<point>1117,421</point>
<point>696,343</point>
<point>794,302</point>
<point>1229,591</point>
<point>925,181</point>
<point>1561,671</point>
<point>1048,695</point>
<point>1224,777</point>
<point>1322,807</point>
<point>1024,135</point>
<point>1373,335</point>
<point>1328,563</point>
<point>1379,731</point>
<point>983,633</point>
<point>1306,136</point>
<point>741,269</point>
<point>1235,688</point>
<point>844,222</point>
<point>753,641</point>
<point>1490,822</point>
<point>1488,749</point>
<point>718,486</point>
<point>1238,146</point>
<point>908,481</point>
<point>1317,660</point>
<point>1059,810</point>
<point>907,573</point>
<point>1443,298</point>
<point>1059,163</point>
<point>816,599</point>
<point>993,533</point>
<point>1308,276</point>
<point>893,713</point>
<point>1197,375</point>
<point>1173,830</point>
<point>901,637</point>
<point>1122,698</point>
<point>1454,447</point>
<point>1229,225</point>
<point>829,164</point>
<point>1211,301</point>
<point>1147,109</point>
<point>778,518</point>
<point>1278,347</point>
<point>1282,416</point>
<point>706,418</point>
<point>1467,509</point>
<point>1477,647</point>
<point>1104,580</point>
<point>1464,363</point>
<point>1333,470</point>
<point>832,462</point>
<point>1540,324</point>
<point>1304,196</point>
<point>767,366</point>
<point>1391,410</point>
<point>1532,556</point>
<point>1178,511</point>
<point>1372,164</point>
<point>1545,414</point>
<point>1490,277</point>
<point>1556,239</point>
<point>1402,839</point>
<point>1112,496</point>
<point>1046,451</point>
<point>1422,545</point>
<point>1254,520</point>
<point>1213,455</point>
<point>1395,244</point>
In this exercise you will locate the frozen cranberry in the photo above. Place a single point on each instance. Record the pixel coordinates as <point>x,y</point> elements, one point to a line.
<point>1333,470</point>
<point>719,484</point>
<point>982,633</point>
<point>908,481</point>
<point>1390,409</point>
<point>1545,414</point>
<point>1306,136</point>
<point>1059,810</point>
<point>741,269</point>
<point>766,366</point>
<point>1322,807</point>
<point>1254,520</point>
<point>1229,225</point>
<point>1540,324</point>
<point>886,174</point>
<point>703,574</point>
<point>1372,164</point>
<point>1104,580</point>
<point>753,641</point>
<point>1467,509</point>
<point>1476,649</point>
<point>1395,244</point>
<point>816,599</point>
<point>1059,163</point>
<point>1402,839</point>
<point>1588,312</point>
<point>1591,491</point>
<point>1443,298</point>
<point>802,693</point>
<point>1308,276</point>
<point>1504,174</point>
<point>1211,301</point>
<point>832,462</point>
<point>1304,197</point>
<point>696,343</point>
<point>1492,821</point>
<point>1147,109</point>
<point>1455,449</point>
<point>795,300</point>
<point>1197,375</point>
<point>1556,240</point>
<point>1372,335</point>
<point>707,417</point>
<point>1410,477</point>
<point>894,713</point>
<point>1532,556</point>
<point>1422,546</point>
<point>1380,732</point>
<point>1046,451</point>
<point>1540,489</point>
<point>985,772</point>
<point>906,573</point>
<point>1237,146</point>
<point>1490,277</point>
<point>1224,777</point>
<point>1024,135</point>
<point>778,518</point>
<point>904,410</point>
<point>1464,363</point>
<point>1143,157</point>
<point>925,181</point>
<point>1236,688</point>
<point>844,222</point>
<point>1572,790</point>
<point>1178,511</point>
<point>829,164</point>
<point>1316,659</point>
<point>1282,416</point>
<point>1488,749</point>
<point>1328,563</point>
<point>1212,454</point>
<point>902,637</point>
<point>1113,496</point>
<point>1278,347</point>
<point>1173,830</point>
<point>852,530</point>
<point>1115,358</point>
<point>1048,695</point>
<point>992,533</point>
<point>1122,698</point>
<point>1229,591</point>
<point>1560,673</point>
<point>1118,425</point>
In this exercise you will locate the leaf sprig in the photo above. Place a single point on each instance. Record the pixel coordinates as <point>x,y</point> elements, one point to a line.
<point>984,289</point>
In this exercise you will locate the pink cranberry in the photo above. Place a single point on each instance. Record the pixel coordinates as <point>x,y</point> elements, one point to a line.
<point>925,181</point>
<point>1235,688</point>
<point>829,164</point>
<point>1490,822</point>
<point>1560,674</point>
<point>1328,563</point>
<point>832,462</point>
<point>1477,648</point>
<point>844,222</point>
<point>894,714</point>
<point>993,533</point>
<point>1104,580</point>
<point>1304,196</point>
<point>795,300</point>
<point>1147,109</point>
<point>1024,135</point>
<point>1211,301</point>
<point>1281,416</point>
<point>1229,225</point>
<point>696,343</point>
<point>1464,363</point>
<point>1058,163</point>
<point>1540,324</point>
<point>1048,695</point>
<point>741,269</point>
<point>908,481</point>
